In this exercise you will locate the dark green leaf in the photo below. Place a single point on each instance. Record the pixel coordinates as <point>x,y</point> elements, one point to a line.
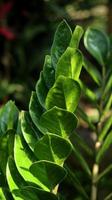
<point>81,160</point>
<point>61,42</point>
<point>76,182</point>
<point>30,132</point>
<point>48,72</point>
<point>48,173</point>
<point>52,148</point>
<point>35,110</point>
<point>97,43</point>
<point>41,90</point>
<point>32,193</point>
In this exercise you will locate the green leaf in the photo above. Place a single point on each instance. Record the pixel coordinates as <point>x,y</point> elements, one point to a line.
<point>81,160</point>
<point>35,110</point>
<point>80,142</point>
<point>105,128</point>
<point>76,36</point>
<point>108,197</point>
<point>59,122</point>
<point>30,132</point>
<point>85,117</point>
<point>64,94</point>
<point>48,173</point>
<point>14,179</point>
<point>104,147</point>
<point>2,196</point>
<point>76,182</point>
<point>24,164</point>
<point>93,72</point>
<point>70,64</point>
<point>41,90</point>
<point>52,148</point>
<point>48,72</point>
<point>88,92</point>
<point>105,172</point>
<point>108,104</point>
<point>60,43</point>
<point>108,85</point>
<point>6,146</point>
<point>8,117</point>
<point>32,193</point>
<point>97,43</point>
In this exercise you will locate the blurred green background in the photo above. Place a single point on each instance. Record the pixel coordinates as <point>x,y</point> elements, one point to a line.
<point>26,32</point>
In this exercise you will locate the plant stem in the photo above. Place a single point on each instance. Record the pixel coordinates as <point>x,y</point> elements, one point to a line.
<point>95,171</point>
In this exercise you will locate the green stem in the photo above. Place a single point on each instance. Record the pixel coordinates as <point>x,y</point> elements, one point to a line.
<point>95,169</point>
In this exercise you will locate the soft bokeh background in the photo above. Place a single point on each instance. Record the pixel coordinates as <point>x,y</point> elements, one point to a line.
<point>26,34</point>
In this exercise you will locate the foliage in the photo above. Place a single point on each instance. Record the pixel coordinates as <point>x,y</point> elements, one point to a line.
<point>25,30</point>
<point>35,144</point>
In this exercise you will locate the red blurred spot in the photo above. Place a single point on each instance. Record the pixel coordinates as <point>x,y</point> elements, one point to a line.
<point>7,33</point>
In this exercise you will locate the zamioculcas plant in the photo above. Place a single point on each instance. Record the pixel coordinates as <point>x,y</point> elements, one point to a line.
<point>35,146</point>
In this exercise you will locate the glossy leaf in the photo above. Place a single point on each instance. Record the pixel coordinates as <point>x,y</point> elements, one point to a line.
<point>23,162</point>
<point>97,43</point>
<point>64,94</point>
<point>14,179</point>
<point>29,131</point>
<point>76,36</point>
<point>48,173</point>
<point>41,90</point>
<point>60,43</point>
<point>59,122</point>
<point>35,110</point>
<point>70,64</point>
<point>48,72</point>
<point>32,193</point>
<point>52,148</point>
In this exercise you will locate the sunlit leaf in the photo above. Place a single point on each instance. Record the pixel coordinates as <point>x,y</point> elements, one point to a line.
<point>70,64</point>
<point>52,148</point>
<point>76,36</point>
<point>58,121</point>
<point>64,94</point>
